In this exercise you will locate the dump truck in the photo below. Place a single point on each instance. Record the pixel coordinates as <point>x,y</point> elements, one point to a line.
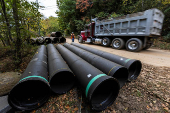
<point>133,31</point>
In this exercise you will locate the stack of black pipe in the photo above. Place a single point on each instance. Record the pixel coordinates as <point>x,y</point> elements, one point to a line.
<point>34,88</point>
<point>100,89</point>
<point>58,37</point>
<point>110,68</point>
<point>90,68</point>
<point>133,66</point>
<point>119,68</point>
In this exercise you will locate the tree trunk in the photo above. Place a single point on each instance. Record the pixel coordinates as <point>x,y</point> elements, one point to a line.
<point>7,21</point>
<point>2,40</point>
<point>18,39</point>
<point>6,40</point>
<point>28,38</point>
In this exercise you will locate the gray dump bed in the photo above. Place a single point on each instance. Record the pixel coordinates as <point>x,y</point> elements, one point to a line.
<point>147,23</point>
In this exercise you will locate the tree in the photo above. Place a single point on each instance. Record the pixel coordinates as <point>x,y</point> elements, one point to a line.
<point>18,43</point>
<point>83,5</point>
<point>7,21</point>
<point>67,15</point>
<point>49,25</point>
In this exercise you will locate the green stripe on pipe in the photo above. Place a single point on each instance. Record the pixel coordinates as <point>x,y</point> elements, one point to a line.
<point>127,60</point>
<point>92,80</point>
<point>34,76</point>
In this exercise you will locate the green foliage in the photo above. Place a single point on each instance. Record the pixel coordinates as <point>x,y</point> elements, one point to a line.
<point>114,15</point>
<point>167,38</point>
<point>49,25</point>
<point>102,15</point>
<point>80,24</point>
<point>66,15</point>
<point>18,22</point>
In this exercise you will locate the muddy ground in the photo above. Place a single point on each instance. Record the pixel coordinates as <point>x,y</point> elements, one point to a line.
<point>149,93</point>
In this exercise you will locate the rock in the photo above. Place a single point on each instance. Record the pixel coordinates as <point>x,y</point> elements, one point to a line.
<point>7,81</point>
<point>151,105</point>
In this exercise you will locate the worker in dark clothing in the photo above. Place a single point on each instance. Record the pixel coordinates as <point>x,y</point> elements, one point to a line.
<point>72,36</point>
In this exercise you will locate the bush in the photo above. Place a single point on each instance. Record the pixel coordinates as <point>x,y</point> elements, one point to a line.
<point>167,38</point>
<point>161,44</point>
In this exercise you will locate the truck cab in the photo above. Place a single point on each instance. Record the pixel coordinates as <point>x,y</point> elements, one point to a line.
<point>88,33</point>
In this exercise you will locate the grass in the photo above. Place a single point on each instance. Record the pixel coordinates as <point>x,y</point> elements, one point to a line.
<point>138,93</point>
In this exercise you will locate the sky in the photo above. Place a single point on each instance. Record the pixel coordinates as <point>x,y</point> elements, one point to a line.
<point>50,7</point>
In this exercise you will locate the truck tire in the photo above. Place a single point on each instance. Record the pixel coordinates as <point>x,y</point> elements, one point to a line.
<point>80,39</point>
<point>106,41</point>
<point>118,43</point>
<point>134,45</point>
<point>148,45</point>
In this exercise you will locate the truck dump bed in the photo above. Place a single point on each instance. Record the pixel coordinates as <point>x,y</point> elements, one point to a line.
<point>147,23</point>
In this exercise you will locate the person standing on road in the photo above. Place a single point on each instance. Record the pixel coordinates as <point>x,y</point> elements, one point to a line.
<point>72,36</point>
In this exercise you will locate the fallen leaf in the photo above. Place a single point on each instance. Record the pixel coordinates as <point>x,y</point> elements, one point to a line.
<point>67,106</point>
<point>75,109</point>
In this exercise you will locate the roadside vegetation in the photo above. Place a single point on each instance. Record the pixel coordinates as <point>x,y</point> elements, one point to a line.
<point>160,44</point>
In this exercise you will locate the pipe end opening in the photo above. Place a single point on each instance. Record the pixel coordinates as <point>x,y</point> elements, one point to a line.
<point>29,95</point>
<point>62,40</point>
<point>48,40</point>
<point>134,70</point>
<point>121,75</point>
<point>55,40</point>
<point>105,94</point>
<point>62,82</point>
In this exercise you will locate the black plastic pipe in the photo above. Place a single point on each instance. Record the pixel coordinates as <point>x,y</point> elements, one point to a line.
<point>106,66</point>
<point>61,78</point>
<point>53,34</point>
<point>133,66</point>
<point>56,34</point>
<point>48,40</point>
<point>62,39</point>
<point>40,40</point>
<point>55,40</point>
<point>100,89</point>
<point>33,89</point>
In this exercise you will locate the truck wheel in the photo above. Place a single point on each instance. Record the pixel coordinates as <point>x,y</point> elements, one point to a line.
<point>134,45</point>
<point>118,43</point>
<point>106,41</point>
<point>80,40</point>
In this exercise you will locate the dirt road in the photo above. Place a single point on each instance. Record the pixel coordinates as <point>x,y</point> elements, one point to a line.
<point>151,56</point>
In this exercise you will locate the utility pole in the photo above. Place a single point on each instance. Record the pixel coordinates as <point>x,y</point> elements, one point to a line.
<point>38,19</point>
